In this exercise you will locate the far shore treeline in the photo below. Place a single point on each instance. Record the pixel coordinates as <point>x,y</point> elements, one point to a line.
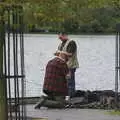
<point>72,16</point>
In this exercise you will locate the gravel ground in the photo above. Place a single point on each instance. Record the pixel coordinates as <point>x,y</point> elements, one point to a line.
<point>70,114</point>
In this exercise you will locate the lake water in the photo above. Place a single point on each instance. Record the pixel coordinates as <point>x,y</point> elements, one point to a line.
<point>96,56</point>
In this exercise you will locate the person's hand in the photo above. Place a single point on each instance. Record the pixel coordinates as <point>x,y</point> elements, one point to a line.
<point>68,76</point>
<point>56,53</point>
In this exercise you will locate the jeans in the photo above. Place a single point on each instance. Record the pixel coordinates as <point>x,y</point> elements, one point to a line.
<point>71,83</point>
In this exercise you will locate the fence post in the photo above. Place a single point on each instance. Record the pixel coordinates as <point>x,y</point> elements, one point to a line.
<point>3,97</point>
<point>117,63</point>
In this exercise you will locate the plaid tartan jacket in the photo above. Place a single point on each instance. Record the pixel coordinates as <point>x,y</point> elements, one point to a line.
<point>55,77</point>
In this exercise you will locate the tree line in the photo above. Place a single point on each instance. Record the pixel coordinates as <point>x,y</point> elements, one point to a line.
<point>73,16</point>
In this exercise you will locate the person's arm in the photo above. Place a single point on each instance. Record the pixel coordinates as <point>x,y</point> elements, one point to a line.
<point>71,48</point>
<point>57,52</point>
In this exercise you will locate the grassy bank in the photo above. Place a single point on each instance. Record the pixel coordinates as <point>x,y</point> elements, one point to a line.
<point>114,112</point>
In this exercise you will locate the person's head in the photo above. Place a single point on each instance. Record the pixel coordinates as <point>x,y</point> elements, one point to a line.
<point>65,55</point>
<point>63,36</point>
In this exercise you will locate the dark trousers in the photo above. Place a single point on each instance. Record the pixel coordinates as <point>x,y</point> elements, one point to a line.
<point>71,83</point>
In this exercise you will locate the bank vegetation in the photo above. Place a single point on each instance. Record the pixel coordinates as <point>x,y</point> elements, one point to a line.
<point>72,16</point>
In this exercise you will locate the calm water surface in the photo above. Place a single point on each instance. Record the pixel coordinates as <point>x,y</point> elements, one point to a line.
<point>96,56</point>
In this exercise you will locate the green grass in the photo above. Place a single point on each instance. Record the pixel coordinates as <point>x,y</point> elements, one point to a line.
<point>114,112</point>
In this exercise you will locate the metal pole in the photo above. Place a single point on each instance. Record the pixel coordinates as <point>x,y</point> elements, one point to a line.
<point>3,97</point>
<point>116,68</point>
<point>23,83</point>
<point>117,63</point>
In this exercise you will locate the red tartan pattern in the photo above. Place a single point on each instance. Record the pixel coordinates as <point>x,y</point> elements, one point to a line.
<point>54,80</point>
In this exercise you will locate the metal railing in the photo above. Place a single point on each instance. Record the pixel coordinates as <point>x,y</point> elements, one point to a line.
<point>12,57</point>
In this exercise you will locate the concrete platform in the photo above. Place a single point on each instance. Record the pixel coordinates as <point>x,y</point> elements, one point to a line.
<point>69,114</point>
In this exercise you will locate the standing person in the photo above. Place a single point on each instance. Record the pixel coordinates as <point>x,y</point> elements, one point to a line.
<point>55,82</point>
<point>70,46</point>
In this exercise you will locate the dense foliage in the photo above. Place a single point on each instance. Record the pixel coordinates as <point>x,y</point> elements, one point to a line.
<point>74,16</point>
